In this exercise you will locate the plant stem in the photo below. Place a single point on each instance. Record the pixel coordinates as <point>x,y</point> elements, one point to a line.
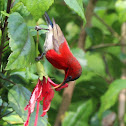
<point>105,45</point>
<point>4,51</point>
<point>6,45</point>
<point>6,114</point>
<point>37,42</point>
<point>7,80</point>
<point>107,70</point>
<point>110,29</point>
<point>88,15</point>
<point>4,33</point>
<point>122,95</point>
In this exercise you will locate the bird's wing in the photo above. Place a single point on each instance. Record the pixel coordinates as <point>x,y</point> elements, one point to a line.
<point>58,37</point>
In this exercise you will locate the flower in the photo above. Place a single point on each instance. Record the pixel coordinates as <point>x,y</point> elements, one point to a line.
<point>42,91</point>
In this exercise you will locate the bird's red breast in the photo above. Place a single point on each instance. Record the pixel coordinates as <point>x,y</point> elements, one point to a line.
<point>59,55</point>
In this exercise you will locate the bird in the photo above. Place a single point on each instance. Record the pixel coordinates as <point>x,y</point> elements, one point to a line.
<point>58,53</point>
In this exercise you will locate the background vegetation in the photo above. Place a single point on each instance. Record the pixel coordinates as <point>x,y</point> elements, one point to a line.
<point>97,98</point>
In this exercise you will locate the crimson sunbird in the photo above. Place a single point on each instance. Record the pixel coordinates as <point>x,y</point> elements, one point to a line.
<point>57,52</point>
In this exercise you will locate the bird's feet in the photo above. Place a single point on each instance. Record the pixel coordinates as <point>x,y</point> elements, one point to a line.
<point>39,57</point>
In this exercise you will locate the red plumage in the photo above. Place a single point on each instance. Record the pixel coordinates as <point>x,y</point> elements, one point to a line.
<point>58,52</point>
<point>59,55</point>
<point>65,60</point>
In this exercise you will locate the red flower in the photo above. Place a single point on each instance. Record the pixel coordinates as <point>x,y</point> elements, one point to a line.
<point>42,91</point>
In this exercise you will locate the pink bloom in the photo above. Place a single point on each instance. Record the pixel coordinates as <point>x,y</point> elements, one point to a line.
<point>42,91</point>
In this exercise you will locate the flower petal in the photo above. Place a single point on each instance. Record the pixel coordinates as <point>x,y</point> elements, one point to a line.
<point>47,101</point>
<point>37,112</point>
<point>36,95</point>
<point>46,87</point>
<point>28,117</point>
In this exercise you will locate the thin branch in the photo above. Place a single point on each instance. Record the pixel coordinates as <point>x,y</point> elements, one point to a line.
<point>105,46</point>
<point>6,114</point>
<point>8,10</point>
<point>107,70</point>
<point>110,29</point>
<point>4,50</point>
<point>88,14</point>
<point>6,45</point>
<point>37,41</point>
<point>12,3</point>
<point>3,38</point>
<point>37,28</point>
<point>7,80</point>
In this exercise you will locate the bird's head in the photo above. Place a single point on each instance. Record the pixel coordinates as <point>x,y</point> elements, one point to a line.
<point>73,72</point>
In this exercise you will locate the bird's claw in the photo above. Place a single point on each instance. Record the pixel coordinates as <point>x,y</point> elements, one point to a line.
<point>39,57</point>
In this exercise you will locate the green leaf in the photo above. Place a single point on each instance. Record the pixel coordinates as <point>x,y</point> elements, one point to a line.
<point>37,7</point>
<point>89,85</point>
<point>111,96</point>
<point>81,117</point>
<point>13,118</point>
<point>95,34</point>
<point>21,43</point>
<point>56,101</point>
<point>95,63</point>
<point>77,6</point>
<point>4,13</point>
<point>1,5</point>
<point>21,9</point>
<point>121,9</point>
<point>114,65</point>
<point>18,98</point>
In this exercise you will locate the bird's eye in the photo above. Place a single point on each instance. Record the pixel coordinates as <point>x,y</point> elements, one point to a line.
<point>68,79</point>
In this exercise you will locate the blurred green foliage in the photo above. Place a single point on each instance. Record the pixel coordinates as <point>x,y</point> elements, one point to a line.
<point>96,92</point>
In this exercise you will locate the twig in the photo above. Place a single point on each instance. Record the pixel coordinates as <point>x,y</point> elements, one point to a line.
<point>104,46</point>
<point>6,45</point>
<point>8,11</point>
<point>39,28</point>
<point>115,34</point>
<point>4,50</point>
<point>6,114</point>
<point>7,80</point>
<point>88,15</point>
<point>3,38</point>
<point>107,69</point>
<point>12,3</point>
<point>37,42</point>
